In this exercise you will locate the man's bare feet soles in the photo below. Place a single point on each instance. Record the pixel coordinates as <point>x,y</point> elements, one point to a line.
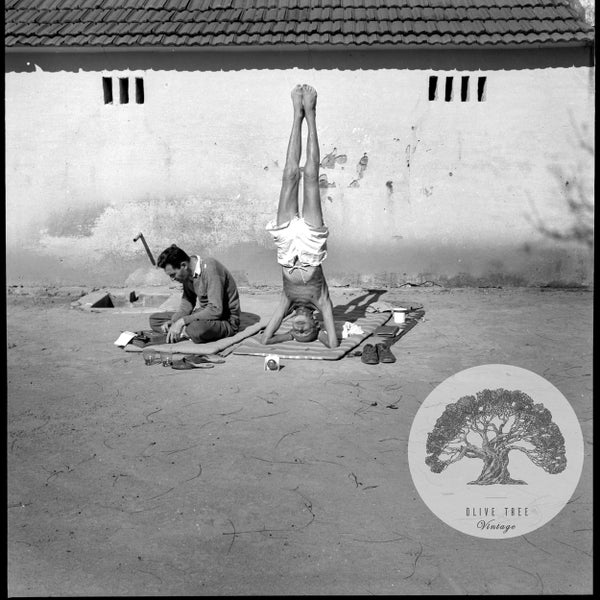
<point>297,95</point>
<point>309,97</point>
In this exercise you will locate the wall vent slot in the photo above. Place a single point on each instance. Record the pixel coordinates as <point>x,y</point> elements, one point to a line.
<point>481,89</point>
<point>124,90</point>
<point>464,88</point>
<point>433,81</point>
<point>139,90</point>
<point>107,89</point>
<point>448,91</point>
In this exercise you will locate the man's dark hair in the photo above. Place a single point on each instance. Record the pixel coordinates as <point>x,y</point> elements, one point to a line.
<point>173,256</point>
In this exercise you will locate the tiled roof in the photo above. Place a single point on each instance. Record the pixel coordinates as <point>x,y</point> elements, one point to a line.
<point>339,23</point>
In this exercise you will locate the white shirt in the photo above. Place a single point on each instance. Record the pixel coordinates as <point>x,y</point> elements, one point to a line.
<point>197,268</point>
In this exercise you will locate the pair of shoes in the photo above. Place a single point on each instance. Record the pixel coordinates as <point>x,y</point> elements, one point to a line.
<point>372,355</point>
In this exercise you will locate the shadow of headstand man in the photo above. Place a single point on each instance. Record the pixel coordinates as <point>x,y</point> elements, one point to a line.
<point>357,307</point>
<point>301,241</point>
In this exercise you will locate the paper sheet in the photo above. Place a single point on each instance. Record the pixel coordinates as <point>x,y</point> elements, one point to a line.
<point>124,339</point>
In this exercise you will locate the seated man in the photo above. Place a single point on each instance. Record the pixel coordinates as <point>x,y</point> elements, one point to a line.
<point>302,241</point>
<point>204,280</point>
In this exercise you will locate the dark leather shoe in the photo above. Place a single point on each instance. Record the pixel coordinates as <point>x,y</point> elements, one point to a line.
<point>185,365</point>
<point>385,354</point>
<point>369,355</point>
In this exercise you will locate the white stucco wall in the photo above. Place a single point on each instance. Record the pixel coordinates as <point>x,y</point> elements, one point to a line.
<point>448,188</point>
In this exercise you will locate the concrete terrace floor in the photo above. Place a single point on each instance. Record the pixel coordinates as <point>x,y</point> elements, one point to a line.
<point>132,480</point>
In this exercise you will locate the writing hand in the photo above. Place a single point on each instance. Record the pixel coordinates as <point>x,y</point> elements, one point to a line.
<point>174,332</point>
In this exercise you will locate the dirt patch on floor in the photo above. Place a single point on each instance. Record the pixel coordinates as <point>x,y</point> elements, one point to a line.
<point>132,480</point>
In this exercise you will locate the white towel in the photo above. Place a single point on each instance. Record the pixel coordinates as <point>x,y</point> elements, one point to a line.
<point>351,329</point>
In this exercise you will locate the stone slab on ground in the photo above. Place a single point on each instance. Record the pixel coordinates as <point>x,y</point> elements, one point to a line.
<point>146,299</point>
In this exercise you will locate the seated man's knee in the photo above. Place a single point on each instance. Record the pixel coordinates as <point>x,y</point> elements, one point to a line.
<point>156,320</point>
<point>197,330</point>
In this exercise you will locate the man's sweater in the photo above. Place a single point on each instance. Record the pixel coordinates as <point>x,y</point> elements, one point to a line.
<point>215,291</point>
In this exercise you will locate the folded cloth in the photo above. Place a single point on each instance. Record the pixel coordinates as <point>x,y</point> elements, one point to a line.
<point>387,330</point>
<point>351,329</point>
<point>379,306</point>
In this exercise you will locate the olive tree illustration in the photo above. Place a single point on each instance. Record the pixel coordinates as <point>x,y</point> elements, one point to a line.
<point>491,425</point>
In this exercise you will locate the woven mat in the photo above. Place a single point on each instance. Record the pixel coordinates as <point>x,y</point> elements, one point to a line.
<point>314,350</point>
<point>250,324</point>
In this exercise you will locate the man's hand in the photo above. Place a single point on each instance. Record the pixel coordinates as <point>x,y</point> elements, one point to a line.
<point>324,338</point>
<point>165,327</point>
<point>174,332</point>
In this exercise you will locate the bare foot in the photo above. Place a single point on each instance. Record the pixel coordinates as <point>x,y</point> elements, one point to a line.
<point>297,99</point>
<point>309,97</point>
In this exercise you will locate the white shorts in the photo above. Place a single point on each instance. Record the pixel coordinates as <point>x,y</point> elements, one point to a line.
<point>299,240</point>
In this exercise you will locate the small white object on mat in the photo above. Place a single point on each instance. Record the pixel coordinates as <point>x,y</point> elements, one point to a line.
<point>351,329</point>
<point>399,315</point>
<point>271,362</point>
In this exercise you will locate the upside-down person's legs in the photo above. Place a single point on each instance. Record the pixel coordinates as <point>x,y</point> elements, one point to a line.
<point>288,197</point>
<point>311,208</point>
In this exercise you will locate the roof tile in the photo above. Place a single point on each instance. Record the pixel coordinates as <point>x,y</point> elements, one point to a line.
<point>47,16</point>
<point>77,15</point>
<point>25,4</point>
<point>104,40</point>
<point>74,29</point>
<point>491,27</point>
<point>176,4</point>
<point>11,28</point>
<point>279,27</point>
<point>193,28</point>
<point>374,27</point>
<point>27,16</point>
<point>143,28</point>
<point>167,28</point>
<point>396,27</point>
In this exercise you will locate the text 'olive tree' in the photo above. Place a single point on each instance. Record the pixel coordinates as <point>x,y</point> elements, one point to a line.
<point>488,426</point>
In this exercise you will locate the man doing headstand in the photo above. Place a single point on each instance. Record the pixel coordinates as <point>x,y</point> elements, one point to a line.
<point>301,241</point>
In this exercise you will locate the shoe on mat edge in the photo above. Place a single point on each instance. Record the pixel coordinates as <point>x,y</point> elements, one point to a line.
<point>385,354</point>
<point>369,355</point>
